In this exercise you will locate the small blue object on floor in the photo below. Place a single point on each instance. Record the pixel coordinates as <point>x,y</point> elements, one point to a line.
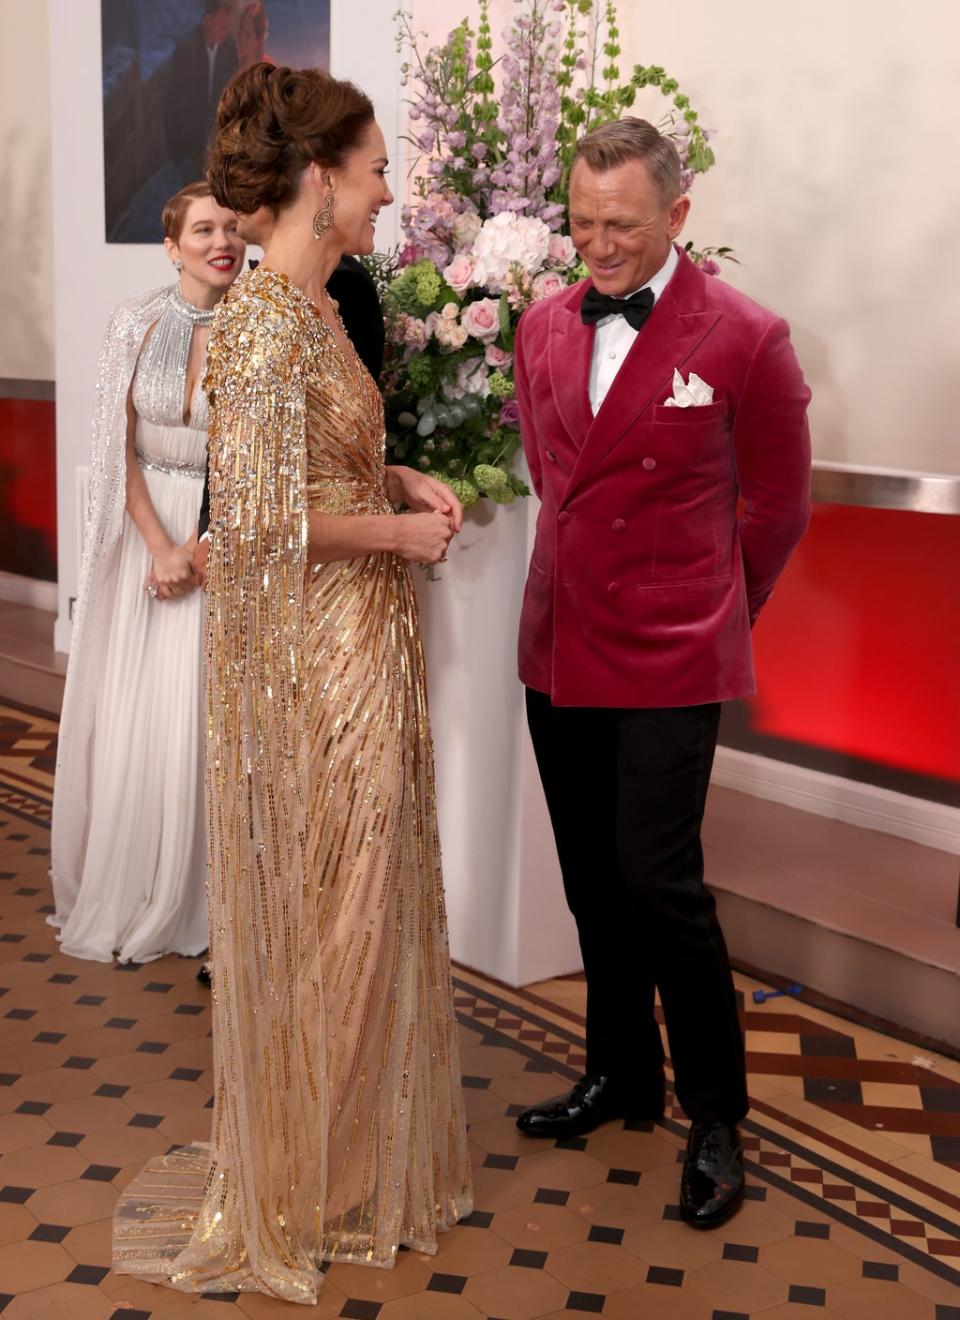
<point>761,996</point>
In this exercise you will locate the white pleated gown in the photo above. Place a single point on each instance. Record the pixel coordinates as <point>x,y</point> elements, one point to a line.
<point>143,887</point>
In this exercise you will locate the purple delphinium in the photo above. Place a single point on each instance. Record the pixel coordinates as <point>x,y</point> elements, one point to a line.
<point>528,118</point>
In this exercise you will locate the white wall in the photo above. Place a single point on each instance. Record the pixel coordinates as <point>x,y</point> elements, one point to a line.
<point>837,184</point>
<point>26,271</point>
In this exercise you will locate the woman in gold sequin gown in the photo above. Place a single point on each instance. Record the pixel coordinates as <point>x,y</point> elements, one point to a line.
<point>338,1130</point>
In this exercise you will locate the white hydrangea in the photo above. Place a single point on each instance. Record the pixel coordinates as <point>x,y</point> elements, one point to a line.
<point>466,227</point>
<point>506,240</point>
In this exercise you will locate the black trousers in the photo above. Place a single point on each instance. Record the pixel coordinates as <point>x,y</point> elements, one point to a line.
<point>626,791</point>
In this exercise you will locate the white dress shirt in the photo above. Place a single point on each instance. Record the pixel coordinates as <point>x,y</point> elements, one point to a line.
<point>614,336</point>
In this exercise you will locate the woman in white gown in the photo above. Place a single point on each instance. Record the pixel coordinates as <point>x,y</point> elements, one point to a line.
<point>129,846</point>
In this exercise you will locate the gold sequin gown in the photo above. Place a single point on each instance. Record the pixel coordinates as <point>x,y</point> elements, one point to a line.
<point>338,1126</point>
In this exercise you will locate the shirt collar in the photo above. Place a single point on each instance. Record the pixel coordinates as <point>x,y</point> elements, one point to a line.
<point>657,283</point>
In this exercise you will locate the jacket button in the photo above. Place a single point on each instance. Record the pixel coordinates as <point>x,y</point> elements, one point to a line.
<point>563,517</point>
<point>618,524</point>
<point>551,456</point>
<point>614,588</point>
<point>649,464</point>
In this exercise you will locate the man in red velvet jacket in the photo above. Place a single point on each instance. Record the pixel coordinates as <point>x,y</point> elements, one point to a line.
<point>644,583</point>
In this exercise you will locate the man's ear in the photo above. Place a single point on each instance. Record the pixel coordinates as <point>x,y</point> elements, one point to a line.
<point>678,216</point>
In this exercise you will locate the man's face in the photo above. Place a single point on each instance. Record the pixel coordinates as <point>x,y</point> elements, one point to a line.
<point>621,226</point>
<point>216,26</point>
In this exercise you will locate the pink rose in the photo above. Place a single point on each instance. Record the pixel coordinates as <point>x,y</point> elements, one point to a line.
<point>510,413</point>
<point>459,274</point>
<point>482,319</point>
<point>709,266</point>
<point>546,284</point>
<point>431,323</point>
<point>561,250</point>
<point>496,357</point>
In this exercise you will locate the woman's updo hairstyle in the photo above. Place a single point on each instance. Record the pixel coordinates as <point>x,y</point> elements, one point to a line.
<point>272,122</point>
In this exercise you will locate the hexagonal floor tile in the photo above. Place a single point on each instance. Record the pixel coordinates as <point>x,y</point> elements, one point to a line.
<point>430,1306</point>
<point>567,1169</point>
<point>733,1285</point>
<point>810,1261</point>
<point>41,1166</point>
<point>73,1203</point>
<point>90,1114</point>
<point>527,1088</point>
<point>465,1251</point>
<point>57,1084</point>
<point>256,1306</point>
<point>500,1135</point>
<point>498,1189</point>
<point>72,1301</point>
<point>619,1204</point>
<point>16,1224</point>
<point>651,1300</point>
<point>21,1131</point>
<point>408,1277</point>
<point>540,1227</point>
<point>28,1265</point>
<point>596,1267</point>
<point>515,1293</point>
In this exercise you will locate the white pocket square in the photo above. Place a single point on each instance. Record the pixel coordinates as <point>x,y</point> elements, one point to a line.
<point>694,394</point>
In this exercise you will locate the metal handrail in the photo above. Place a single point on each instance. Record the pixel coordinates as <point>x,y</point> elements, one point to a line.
<point>885,488</point>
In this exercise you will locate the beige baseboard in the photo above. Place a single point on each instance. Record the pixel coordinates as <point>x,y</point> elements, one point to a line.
<point>17,590</point>
<point>930,823</point>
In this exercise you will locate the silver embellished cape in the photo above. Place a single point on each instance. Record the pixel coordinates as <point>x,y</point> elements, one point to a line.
<point>98,576</point>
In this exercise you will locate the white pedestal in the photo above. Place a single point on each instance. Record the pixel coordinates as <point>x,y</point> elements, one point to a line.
<point>508,916</point>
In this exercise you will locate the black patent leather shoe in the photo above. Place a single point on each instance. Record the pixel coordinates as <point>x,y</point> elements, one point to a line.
<point>711,1188</point>
<point>203,975</point>
<point>594,1100</point>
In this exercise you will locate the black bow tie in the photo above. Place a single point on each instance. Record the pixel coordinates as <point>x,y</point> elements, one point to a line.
<point>636,308</point>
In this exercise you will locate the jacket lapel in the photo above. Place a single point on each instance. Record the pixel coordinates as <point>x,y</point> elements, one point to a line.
<point>677,325</point>
<point>570,349</point>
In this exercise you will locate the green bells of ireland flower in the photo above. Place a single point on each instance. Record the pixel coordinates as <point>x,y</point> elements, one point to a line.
<point>501,386</point>
<point>428,283</point>
<point>494,483</point>
<point>465,491</point>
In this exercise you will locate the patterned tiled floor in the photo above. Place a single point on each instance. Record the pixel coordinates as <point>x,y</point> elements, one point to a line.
<point>854,1199</point>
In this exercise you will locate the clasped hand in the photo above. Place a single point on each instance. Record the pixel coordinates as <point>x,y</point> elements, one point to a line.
<point>176,571</point>
<point>435,517</point>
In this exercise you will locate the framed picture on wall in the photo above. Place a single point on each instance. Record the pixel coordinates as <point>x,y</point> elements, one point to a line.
<point>165,63</point>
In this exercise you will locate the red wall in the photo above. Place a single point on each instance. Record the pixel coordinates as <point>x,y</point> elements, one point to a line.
<point>28,488</point>
<point>858,650</point>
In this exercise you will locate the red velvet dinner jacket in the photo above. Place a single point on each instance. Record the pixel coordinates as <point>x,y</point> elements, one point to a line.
<point>644,581</point>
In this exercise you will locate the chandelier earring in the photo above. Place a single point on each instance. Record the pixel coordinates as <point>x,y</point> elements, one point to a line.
<point>323,220</point>
<point>178,265</point>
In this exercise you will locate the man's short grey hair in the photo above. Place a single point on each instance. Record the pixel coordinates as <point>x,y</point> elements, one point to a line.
<point>630,138</point>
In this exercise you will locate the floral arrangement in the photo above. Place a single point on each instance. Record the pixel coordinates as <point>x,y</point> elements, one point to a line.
<point>482,233</point>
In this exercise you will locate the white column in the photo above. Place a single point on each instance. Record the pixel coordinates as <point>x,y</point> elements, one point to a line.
<point>508,916</point>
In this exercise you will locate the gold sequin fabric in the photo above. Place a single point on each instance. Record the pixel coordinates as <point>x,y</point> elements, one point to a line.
<point>338,1129</point>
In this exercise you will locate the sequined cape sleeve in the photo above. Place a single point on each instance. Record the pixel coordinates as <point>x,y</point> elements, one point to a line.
<point>95,593</point>
<point>268,1071</point>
